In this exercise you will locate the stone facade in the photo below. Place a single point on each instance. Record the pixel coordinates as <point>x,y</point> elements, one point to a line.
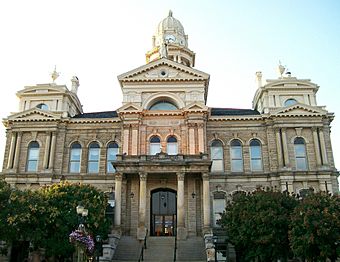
<point>169,141</point>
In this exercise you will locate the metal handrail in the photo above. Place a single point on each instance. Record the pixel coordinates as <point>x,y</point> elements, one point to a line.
<point>141,256</point>
<point>175,249</point>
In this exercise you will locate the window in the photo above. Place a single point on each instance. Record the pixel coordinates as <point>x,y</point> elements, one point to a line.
<point>218,207</point>
<point>112,151</point>
<point>236,156</point>
<point>93,160</point>
<point>42,106</point>
<point>216,155</point>
<point>255,155</point>
<point>33,157</point>
<point>75,158</point>
<point>300,153</point>
<point>171,147</point>
<point>290,102</point>
<point>155,145</point>
<point>163,105</point>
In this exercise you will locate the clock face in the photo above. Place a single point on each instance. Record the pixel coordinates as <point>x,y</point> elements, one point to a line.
<point>170,38</point>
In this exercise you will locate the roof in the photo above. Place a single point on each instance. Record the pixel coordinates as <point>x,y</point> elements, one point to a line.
<point>215,111</point>
<point>105,114</point>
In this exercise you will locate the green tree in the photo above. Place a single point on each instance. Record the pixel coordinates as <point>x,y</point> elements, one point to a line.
<point>5,193</point>
<point>315,228</point>
<point>257,225</point>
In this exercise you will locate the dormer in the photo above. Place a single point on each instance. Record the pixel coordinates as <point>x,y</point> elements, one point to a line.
<point>283,92</point>
<point>51,97</point>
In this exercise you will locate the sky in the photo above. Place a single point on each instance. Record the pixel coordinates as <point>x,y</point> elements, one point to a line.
<point>99,40</point>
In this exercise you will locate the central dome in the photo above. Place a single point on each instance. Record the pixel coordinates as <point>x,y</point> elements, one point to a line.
<point>170,25</point>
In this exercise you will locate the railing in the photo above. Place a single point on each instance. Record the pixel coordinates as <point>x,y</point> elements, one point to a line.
<point>141,256</point>
<point>175,249</point>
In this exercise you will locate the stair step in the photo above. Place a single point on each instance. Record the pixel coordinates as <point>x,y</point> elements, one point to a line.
<point>128,249</point>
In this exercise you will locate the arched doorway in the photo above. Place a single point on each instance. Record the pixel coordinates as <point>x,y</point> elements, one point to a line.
<point>163,212</point>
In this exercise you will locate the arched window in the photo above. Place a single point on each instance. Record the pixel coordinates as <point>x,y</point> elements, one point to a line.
<point>255,155</point>
<point>32,157</point>
<point>290,102</point>
<point>93,160</point>
<point>216,155</point>
<point>155,145</point>
<point>42,106</point>
<point>112,151</point>
<point>219,205</point>
<point>171,146</point>
<point>75,158</point>
<point>236,156</point>
<point>163,105</point>
<point>300,153</point>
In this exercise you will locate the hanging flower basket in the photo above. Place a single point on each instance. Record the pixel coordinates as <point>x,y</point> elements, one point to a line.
<point>83,240</point>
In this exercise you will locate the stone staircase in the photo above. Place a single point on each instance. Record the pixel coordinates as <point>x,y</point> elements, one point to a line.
<point>128,249</point>
<point>160,249</point>
<point>191,249</point>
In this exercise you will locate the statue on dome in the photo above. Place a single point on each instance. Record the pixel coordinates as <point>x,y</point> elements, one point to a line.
<point>163,50</point>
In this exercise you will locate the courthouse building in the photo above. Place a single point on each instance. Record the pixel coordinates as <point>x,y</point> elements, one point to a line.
<point>170,161</point>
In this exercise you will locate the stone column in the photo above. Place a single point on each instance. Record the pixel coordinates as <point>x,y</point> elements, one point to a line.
<point>47,150</point>
<point>316,146</point>
<point>279,148</point>
<point>201,138</point>
<point>206,202</point>
<point>181,230</point>
<point>192,145</point>
<point>285,147</point>
<point>141,230</point>
<point>53,145</point>
<point>17,151</point>
<point>118,199</point>
<point>323,147</point>
<point>11,151</point>
<point>134,141</point>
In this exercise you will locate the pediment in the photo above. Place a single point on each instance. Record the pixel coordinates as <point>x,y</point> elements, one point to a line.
<point>196,107</point>
<point>129,108</point>
<point>163,70</point>
<point>34,114</point>
<point>42,89</point>
<point>299,110</point>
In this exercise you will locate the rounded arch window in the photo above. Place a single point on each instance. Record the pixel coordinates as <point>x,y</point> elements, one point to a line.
<point>163,105</point>
<point>93,159</point>
<point>155,145</point>
<point>112,151</point>
<point>300,153</point>
<point>255,155</point>
<point>75,158</point>
<point>33,156</point>
<point>236,156</point>
<point>290,102</point>
<point>43,106</point>
<point>216,155</point>
<point>172,147</point>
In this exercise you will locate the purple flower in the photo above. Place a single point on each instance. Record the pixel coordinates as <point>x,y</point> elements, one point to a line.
<point>82,238</point>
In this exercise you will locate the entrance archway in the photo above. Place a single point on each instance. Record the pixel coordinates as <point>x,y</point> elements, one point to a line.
<point>163,212</point>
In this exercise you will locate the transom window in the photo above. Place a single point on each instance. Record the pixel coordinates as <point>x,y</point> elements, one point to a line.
<point>300,153</point>
<point>172,147</point>
<point>112,151</point>
<point>290,102</point>
<point>33,157</point>
<point>93,160</point>
<point>42,106</point>
<point>75,158</point>
<point>155,145</point>
<point>216,155</point>
<point>163,105</point>
<point>236,156</point>
<point>255,155</point>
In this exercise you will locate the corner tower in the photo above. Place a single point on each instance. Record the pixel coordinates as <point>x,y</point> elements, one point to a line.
<point>170,41</point>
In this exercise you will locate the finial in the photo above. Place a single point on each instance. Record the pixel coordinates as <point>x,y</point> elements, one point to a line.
<point>55,74</point>
<point>281,69</point>
<point>170,13</point>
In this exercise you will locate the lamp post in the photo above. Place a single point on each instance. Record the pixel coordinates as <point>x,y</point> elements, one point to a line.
<point>82,214</point>
<point>98,245</point>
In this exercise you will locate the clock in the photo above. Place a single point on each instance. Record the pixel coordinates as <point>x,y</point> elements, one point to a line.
<point>170,38</point>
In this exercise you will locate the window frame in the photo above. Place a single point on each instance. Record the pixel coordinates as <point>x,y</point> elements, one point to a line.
<point>300,143</point>
<point>75,146</point>
<point>170,144</point>
<point>115,147</point>
<point>255,158</point>
<point>33,151</point>
<point>93,163</point>
<point>233,159</point>
<point>154,147</point>
<point>219,159</point>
